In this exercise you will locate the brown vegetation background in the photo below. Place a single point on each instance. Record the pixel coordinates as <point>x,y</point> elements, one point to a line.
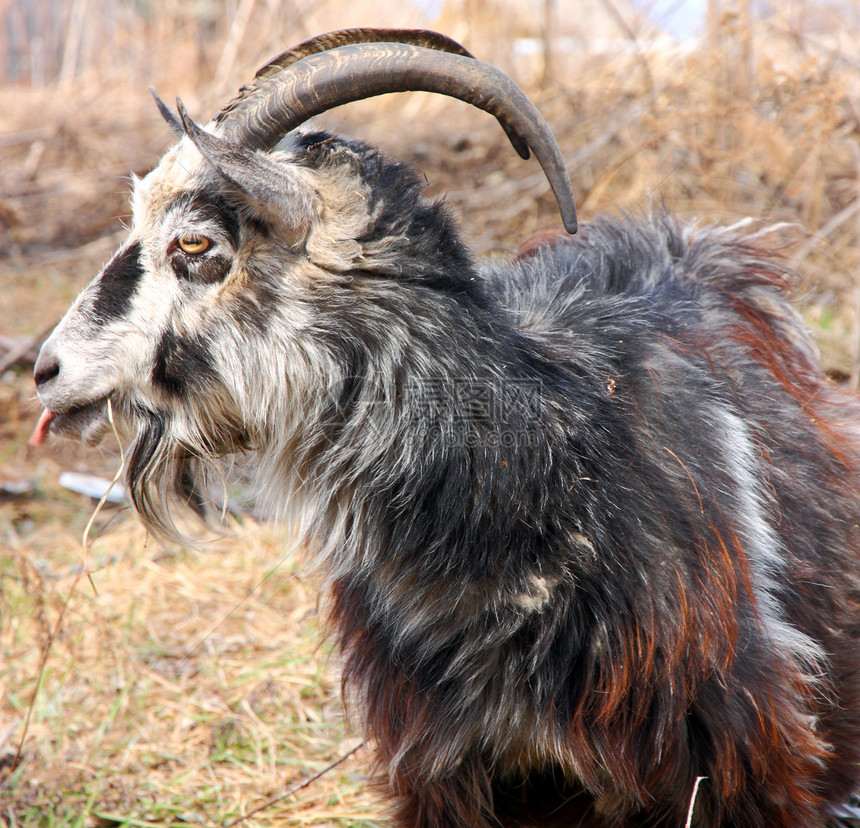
<point>191,686</point>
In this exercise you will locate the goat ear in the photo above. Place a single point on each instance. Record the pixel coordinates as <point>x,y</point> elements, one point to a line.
<point>271,189</point>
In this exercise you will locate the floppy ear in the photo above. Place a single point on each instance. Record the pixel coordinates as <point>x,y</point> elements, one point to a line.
<point>273,190</point>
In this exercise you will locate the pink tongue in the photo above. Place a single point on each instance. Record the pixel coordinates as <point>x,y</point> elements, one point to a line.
<point>40,432</point>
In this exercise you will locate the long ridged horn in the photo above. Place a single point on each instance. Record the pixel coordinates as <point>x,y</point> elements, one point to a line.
<point>345,37</point>
<point>322,81</point>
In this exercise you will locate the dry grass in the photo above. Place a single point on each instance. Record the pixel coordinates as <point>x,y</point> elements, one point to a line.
<point>192,687</point>
<point>196,684</point>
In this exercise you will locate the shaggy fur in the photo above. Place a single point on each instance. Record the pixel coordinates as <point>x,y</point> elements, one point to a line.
<point>588,519</point>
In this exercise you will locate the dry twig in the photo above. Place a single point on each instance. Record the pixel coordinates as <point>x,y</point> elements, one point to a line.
<point>295,788</point>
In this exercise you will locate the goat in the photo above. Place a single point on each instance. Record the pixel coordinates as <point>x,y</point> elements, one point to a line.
<point>588,519</point>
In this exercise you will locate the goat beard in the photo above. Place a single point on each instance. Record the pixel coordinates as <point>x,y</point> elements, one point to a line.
<point>174,472</point>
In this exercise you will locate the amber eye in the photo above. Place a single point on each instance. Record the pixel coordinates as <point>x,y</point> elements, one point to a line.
<point>193,244</point>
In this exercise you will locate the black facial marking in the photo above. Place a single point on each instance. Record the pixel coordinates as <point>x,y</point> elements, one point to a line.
<point>180,264</point>
<point>205,268</point>
<point>181,364</point>
<point>117,285</point>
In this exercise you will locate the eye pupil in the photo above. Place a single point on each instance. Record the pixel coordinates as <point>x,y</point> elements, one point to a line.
<point>193,244</point>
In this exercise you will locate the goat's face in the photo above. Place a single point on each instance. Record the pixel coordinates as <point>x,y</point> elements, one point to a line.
<point>135,334</point>
<point>214,273</point>
<point>172,322</point>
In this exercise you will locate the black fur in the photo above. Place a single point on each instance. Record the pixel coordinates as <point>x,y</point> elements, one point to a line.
<point>117,285</point>
<point>181,364</point>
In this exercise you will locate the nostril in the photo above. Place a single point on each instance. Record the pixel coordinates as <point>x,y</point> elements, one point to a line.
<point>46,370</point>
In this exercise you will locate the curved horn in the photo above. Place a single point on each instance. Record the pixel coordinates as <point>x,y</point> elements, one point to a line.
<point>345,37</point>
<point>322,81</point>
